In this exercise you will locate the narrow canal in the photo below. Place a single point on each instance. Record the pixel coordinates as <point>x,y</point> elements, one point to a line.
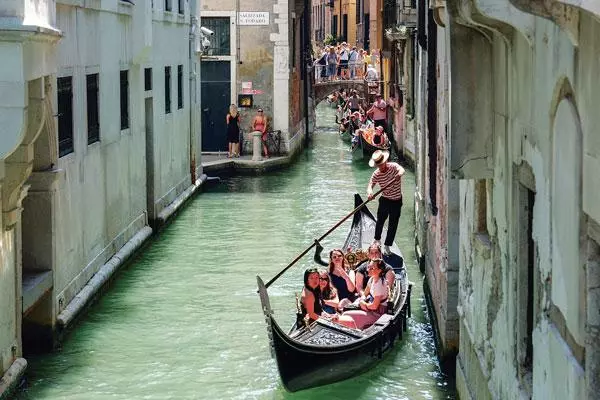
<point>183,321</point>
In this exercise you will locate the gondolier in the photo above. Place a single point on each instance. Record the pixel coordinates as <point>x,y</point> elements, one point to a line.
<point>388,175</point>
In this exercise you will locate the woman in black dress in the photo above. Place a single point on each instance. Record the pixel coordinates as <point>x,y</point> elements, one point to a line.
<point>233,131</point>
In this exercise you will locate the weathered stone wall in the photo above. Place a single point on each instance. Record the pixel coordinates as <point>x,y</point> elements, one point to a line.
<point>543,141</point>
<point>436,202</point>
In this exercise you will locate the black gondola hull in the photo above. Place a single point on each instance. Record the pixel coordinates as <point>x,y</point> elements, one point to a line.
<point>302,367</point>
<point>326,352</point>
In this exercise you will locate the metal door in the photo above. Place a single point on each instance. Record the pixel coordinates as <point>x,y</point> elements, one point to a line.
<point>215,78</point>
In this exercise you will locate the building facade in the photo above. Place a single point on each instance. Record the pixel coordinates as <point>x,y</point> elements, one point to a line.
<point>251,63</point>
<point>102,145</point>
<point>506,204</point>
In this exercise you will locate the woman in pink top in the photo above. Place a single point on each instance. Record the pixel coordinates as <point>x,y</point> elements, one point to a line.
<point>259,123</point>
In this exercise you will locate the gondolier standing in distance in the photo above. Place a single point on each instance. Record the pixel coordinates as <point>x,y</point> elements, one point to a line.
<point>388,176</point>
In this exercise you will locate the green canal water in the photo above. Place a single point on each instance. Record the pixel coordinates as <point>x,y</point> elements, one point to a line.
<point>183,320</point>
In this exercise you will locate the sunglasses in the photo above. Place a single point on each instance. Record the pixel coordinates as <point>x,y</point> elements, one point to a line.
<point>324,279</point>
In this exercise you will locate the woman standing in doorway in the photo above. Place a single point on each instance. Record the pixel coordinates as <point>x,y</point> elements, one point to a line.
<point>233,131</point>
<point>260,124</point>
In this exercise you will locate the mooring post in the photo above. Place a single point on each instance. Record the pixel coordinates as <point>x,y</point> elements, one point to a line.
<point>256,146</point>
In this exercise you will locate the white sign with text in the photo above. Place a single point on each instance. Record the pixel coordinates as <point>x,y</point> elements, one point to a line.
<point>253,18</point>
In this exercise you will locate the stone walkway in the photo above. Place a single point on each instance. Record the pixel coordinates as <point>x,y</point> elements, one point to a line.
<point>217,163</point>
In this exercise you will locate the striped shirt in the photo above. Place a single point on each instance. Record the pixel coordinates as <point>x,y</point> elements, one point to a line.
<point>394,191</point>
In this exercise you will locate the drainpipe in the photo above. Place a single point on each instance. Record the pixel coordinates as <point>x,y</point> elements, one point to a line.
<point>193,86</point>
<point>307,65</point>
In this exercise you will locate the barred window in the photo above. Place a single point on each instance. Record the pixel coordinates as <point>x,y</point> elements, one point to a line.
<point>220,41</point>
<point>180,9</point>
<point>124,99</point>
<point>93,108</point>
<point>179,87</point>
<point>64,88</point>
<point>167,90</point>
<point>168,5</point>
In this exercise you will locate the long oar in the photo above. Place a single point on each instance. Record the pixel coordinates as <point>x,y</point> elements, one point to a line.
<point>325,235</point>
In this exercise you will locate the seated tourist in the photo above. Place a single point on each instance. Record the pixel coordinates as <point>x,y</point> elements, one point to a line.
<point>355,121</point>
<point>344,124</point>
<point>342,278</point>
<point>311,296</point>
<point>374,302</point>
<point>361,275</point>
<point>329,297</point>
<point>379,136</point>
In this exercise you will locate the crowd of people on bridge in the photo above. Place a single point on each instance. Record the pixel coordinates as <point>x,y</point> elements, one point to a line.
<point>344,62</point>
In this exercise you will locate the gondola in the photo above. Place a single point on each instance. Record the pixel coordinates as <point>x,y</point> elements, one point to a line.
<point>356,149</point>
<point>325,352</point>
<point>346,136</point>
<point>369,148</point>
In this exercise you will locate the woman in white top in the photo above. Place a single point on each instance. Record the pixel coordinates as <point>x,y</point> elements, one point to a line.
<point>373,303</point>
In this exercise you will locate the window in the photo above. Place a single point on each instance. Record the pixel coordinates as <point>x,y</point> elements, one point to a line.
<point>124,99</point>
<point>334,26</point>
<point>93,114</point>
<point>167,90</point>
<point>64,88</point>
<point>180,9</point>
<point>358,11</point>
<point>179,87</point>
<point>481,206</point>
<point>147,79</point>
<point>219,42</point>
<point>168,5</point>
<point>366,31</point>
<point>345,26</point>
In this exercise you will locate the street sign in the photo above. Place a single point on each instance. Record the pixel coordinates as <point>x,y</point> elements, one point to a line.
<point>253,18</point>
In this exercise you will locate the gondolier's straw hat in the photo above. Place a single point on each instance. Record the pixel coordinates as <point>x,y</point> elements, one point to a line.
<point>378,158</point>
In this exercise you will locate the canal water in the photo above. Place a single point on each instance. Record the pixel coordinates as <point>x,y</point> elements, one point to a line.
<point>183,320</point>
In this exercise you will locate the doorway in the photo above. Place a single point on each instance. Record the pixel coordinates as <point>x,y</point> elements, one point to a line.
<point>215,78</point>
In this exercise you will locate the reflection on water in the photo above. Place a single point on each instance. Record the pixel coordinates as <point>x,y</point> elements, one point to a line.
<point>183,321</point>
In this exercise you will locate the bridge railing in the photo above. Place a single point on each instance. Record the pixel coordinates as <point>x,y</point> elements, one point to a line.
<point>356,71</point>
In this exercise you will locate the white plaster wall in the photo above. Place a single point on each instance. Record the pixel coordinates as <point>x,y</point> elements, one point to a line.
<point>525,99</point>
<point>101,199</point>
<point>171,131</point>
